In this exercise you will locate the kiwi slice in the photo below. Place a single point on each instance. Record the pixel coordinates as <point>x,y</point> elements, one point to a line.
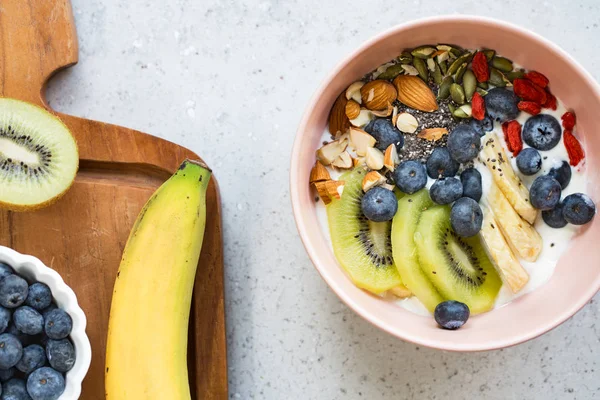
<point>404,225</point>
<point>361,246</point>
<point>38,156</point>
<point>458,267</point>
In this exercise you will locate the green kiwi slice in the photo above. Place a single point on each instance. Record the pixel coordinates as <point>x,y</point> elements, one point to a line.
<point>404,225</point>
<point>458,267</point>
<point>38,156</point>
<point>362,247</point>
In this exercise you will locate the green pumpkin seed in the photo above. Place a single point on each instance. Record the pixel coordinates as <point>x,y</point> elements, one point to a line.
<point>459,73</point>
<point>465,58</point>
<point>437,74</point>
<point>482,92</point>
<point>496,78</point>
<point>405,57</point>
<point>443,67</point>
<point>489,54</point>
<point>503,64</point>
<point>452,49</point>
<point>511,76</point>
<point>430,64</point>
<point>483,85</point>
<point>444,90</point>
<point>457,93</point>
<point>442,57</point>
<point>452,111</point>
<point>423,52</point>
<point>463,112</point>
<point>422,68</point>
<point>392,72</point>
<point>469,84</point>
<point>410,70</point>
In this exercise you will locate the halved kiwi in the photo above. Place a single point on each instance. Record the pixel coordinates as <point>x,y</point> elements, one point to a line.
<point>458,267</point>
<point>361,246</point>
<point>38,156</point>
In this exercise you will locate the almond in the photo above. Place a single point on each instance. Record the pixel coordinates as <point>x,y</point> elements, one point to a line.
<point>335,189</point>
<point>384,113</point>
<point>319,173</point>
<point>363,118</point>
<point>390,158</point>
<point>371,180</point>
<point>322,191</point>
<point>352,109</point>
<point>374,158</point>
<point>433,134</point>
<point>388,186</point>
<point>338,121</point>
<point>358,161</point>
<point>328,153</point>
<point>394,115</point>
<point>407,123</point>
<point>415,93</point>
<point>353,92</point>
<point>361,141</point>
<point>344,161</point>
<point>378,94</point>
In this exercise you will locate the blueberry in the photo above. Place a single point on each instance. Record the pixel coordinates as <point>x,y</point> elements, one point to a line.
<point>28,320</point>
<point>47,310</point>
<point>562,174</point>
<point>466,217</point>
<point>15,389</point>
<point>45,384</point>
<point>501,105</point>
<point>39,296</point>
<point>579,209</point>
<point>544,193</point>
<point>451,314</point>
<point>379,204</point>
<point>13,291</point>
<point>34,357</point>
<point>410,176</point>
<point>5,318</point>
<point>6,374</point>
<point>542,132</point>
<point>440,164</point>
<point>463,143</point>
<point>446,190</point>
<point>11,350</point>
<point>5,270</point>
<point>554,218</point>
<point>483,126</point>
<point>60,354</point>
<point>471,181</point>
<point>385,133</point>
<point>58,323</point>
<point>529,161</point>
<point>23,338</point>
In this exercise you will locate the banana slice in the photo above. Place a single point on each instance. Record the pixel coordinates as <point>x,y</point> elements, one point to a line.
<point>495,159</point>
<point>510,269</point>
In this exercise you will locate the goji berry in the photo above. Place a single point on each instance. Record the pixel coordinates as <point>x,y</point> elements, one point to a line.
<point>481,67</point>
<point>550,100</point>
<point>512,135</point>
<point>529,91</point>
<point>537,78</point>
<point>478,107</point>
<point>573,147</point>
<point>530,107</point>
<point>568,120</point>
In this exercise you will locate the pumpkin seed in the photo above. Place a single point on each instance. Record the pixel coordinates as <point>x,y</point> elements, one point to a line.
<point>501,63</point>
<point>444,90</point>
<point>410,70</point>
<point>482,92</point>
<point>443,67</point>
<point>459,73</point>
<point>463,112</point>
<point>431,64</point>
<point>489,54</point>
<point>392,72</point>
<point>496,78</point>
<point>511,76</point>
<point>423,52</point>
<point>452,49</point>
<point>452,111</point>
<point>469,84</point>
<point>457,93</point>
<point>405,57</point>
<point>483,85</point>
<point>422,68</point>
<point>465,58</point>
<point>442,57</point>
<point>437,74</point>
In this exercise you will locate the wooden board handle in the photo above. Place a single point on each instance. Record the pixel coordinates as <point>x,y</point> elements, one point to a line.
<point>38,38</point>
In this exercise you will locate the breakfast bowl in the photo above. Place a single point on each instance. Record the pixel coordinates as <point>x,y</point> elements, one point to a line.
<point>576,277</point>
<point>32,269</point>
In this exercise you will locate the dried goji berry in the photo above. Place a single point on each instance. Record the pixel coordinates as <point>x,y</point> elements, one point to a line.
<point>478,107</point>
<point>573,147</point>
<point>568,120</point>
<point>530,107</point>
<point>537,78</point>
<point>512,135</point>
<point>529,91</point>
<point>550,100</point>
<point>481,67</point>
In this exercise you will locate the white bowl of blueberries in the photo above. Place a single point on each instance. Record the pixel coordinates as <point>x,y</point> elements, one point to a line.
<point>44,350</point>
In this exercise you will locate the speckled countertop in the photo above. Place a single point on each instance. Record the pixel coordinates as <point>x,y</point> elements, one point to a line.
<point>230,79</point>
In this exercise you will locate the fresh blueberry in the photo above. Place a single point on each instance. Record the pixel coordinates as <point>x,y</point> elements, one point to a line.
<point>483,126</point>
<point>39,296</point>
<point>23,338</point>
<point>385,133</point>
<point>5,318</point>
<point>15,389</point>
<point>579,209</point>
<point>463,143</point>
<point>34,357</point>
<point>45,384</point>
<point>446,190</point>
<point>544,193</point>
<point>410,176</point>
<point>471,181</point>
<point>440,164</point>
<point>47,310</point>
<point>13,291</point>
<point>554,218</point>
<point>451,314</point>
<point>6,374</point>
<point>379,204</point>
<point>5,270</point>
<point>11,350</point>
<point>562,174</point>
<point>501,105</point>
<point>529,161</point>
<point>466,217</point>
<point>58,323</point>
<point>542,132</point>
<point>60,354</point>
<point>28,320</point>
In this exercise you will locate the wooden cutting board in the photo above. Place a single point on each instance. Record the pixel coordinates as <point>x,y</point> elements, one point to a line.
<point>83,235</point>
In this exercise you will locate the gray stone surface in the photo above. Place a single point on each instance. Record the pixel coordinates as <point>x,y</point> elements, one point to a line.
<point>230,80</point>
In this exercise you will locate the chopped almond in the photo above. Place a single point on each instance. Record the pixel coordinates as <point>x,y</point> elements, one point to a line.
<point>390,158</point>
<point>433,134</point>
<point>322,191</point>
<point>335,188</point>
<point>364,117</point>
<point>319,173</point>
<point>374,158</point>
<point>329,152</point>
<point>371,180</point>
<point>361,141</point>
<point>353,92</point>
<point>344,161</point>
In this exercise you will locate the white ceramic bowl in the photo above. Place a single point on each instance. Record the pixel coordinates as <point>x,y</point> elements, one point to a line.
<point>33,269</point>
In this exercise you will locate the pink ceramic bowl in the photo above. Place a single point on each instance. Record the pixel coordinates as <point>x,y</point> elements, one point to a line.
<point>576,278</point>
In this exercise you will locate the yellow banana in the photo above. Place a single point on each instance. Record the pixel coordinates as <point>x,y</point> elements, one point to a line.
<point>146,351</point>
